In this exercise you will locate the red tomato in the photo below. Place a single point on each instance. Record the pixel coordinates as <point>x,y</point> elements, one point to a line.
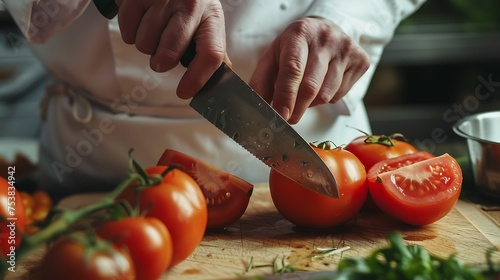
<point>306,208</point>
<point>417,189</point>
<point>371,149</point>
<point>12,216</point>
<point>146,239</point>
<point>227,196</point>
<point>71,259</point>
<point>374,148</point>
<point>179,203</point>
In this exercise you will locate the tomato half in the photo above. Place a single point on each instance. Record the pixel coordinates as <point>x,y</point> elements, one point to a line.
<point>417,189</point>
<point>374,148</point>
<point>227,196</point>
<point>12,217</point>
<point>146,239</point>
<point>179,203</point>
<point>67,258</point>
<point>306,208</point>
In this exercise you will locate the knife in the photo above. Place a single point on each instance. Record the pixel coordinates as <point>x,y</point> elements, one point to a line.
<point>236,109</point>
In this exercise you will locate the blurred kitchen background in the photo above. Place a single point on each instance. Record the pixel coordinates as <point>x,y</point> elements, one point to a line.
<point>437,69</point>
<point>428,75</point>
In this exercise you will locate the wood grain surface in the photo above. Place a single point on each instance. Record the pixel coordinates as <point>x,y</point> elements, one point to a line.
<point>263,234</point>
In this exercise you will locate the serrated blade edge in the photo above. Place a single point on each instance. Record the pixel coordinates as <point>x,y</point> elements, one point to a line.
<point>237,110</point>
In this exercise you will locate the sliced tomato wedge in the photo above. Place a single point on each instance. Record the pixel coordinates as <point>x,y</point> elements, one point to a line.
<point>417,189</point>
<point>227,195</point>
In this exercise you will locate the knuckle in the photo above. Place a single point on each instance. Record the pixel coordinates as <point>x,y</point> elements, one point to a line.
<point>349,47</point>
<point>364,61</point>
<point>194,8</point>
<point>300,26</point>
<point>293,67</point>
<point>309,88</point>
<point>360,63</point>
<point>189,7</point>
<point>324,97</point>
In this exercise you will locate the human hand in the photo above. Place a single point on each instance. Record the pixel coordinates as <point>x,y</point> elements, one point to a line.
<point>164,29</point>
<point>311,63</point>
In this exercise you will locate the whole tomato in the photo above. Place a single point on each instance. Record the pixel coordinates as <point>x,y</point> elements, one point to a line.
<point>306,208</point>
<point>68,258</point>
<point>146,239</point>
<point>179,203</point>
<point>12,217</point>
<point>371,149</point>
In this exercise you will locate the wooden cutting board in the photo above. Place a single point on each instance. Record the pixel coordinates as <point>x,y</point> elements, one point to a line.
<point>263,234</point>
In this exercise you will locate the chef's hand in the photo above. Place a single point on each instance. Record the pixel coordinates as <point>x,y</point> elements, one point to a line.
<point>164,29</point>
<point>312,62</point>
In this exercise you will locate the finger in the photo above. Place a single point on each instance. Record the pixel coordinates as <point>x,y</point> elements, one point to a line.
<point>314,77</point>
<point>331,84</point>
<point>151,27</point>
<point>291,70</point>
<point>129,18</point>
<point>356,68</point>
<point>210,52</point>
<point>227,60</point>
<point>173,42</point>
<point>264,75</point>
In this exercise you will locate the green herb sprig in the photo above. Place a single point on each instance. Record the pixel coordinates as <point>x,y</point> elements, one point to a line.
<point>400,262</point>
<point>284,267</point>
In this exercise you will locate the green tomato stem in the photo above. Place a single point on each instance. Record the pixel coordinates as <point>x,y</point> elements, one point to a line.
<point>69,217</point>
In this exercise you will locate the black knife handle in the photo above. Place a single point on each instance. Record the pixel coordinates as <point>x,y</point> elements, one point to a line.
<point>107,8</point>
<point>188,56</point>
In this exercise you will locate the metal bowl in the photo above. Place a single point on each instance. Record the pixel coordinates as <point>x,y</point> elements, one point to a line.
<point>482,132</point>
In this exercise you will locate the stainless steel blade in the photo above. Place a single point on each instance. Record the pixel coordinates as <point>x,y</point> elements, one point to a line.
<point>242,114</point>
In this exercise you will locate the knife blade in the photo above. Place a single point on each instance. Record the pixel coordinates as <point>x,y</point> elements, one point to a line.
<point>236,109</point>
<point>242,114</point>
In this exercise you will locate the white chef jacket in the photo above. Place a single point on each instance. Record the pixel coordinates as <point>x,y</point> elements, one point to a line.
<point>107,100</point>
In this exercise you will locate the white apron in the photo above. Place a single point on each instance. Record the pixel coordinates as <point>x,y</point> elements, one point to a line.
<point>107,101</point>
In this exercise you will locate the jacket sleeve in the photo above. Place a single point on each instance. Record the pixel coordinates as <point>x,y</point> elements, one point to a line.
<point>38,20</point>
<point>371,23</point>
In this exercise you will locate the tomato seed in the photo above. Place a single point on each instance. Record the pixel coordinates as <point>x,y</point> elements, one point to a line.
<point>219,199</point>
